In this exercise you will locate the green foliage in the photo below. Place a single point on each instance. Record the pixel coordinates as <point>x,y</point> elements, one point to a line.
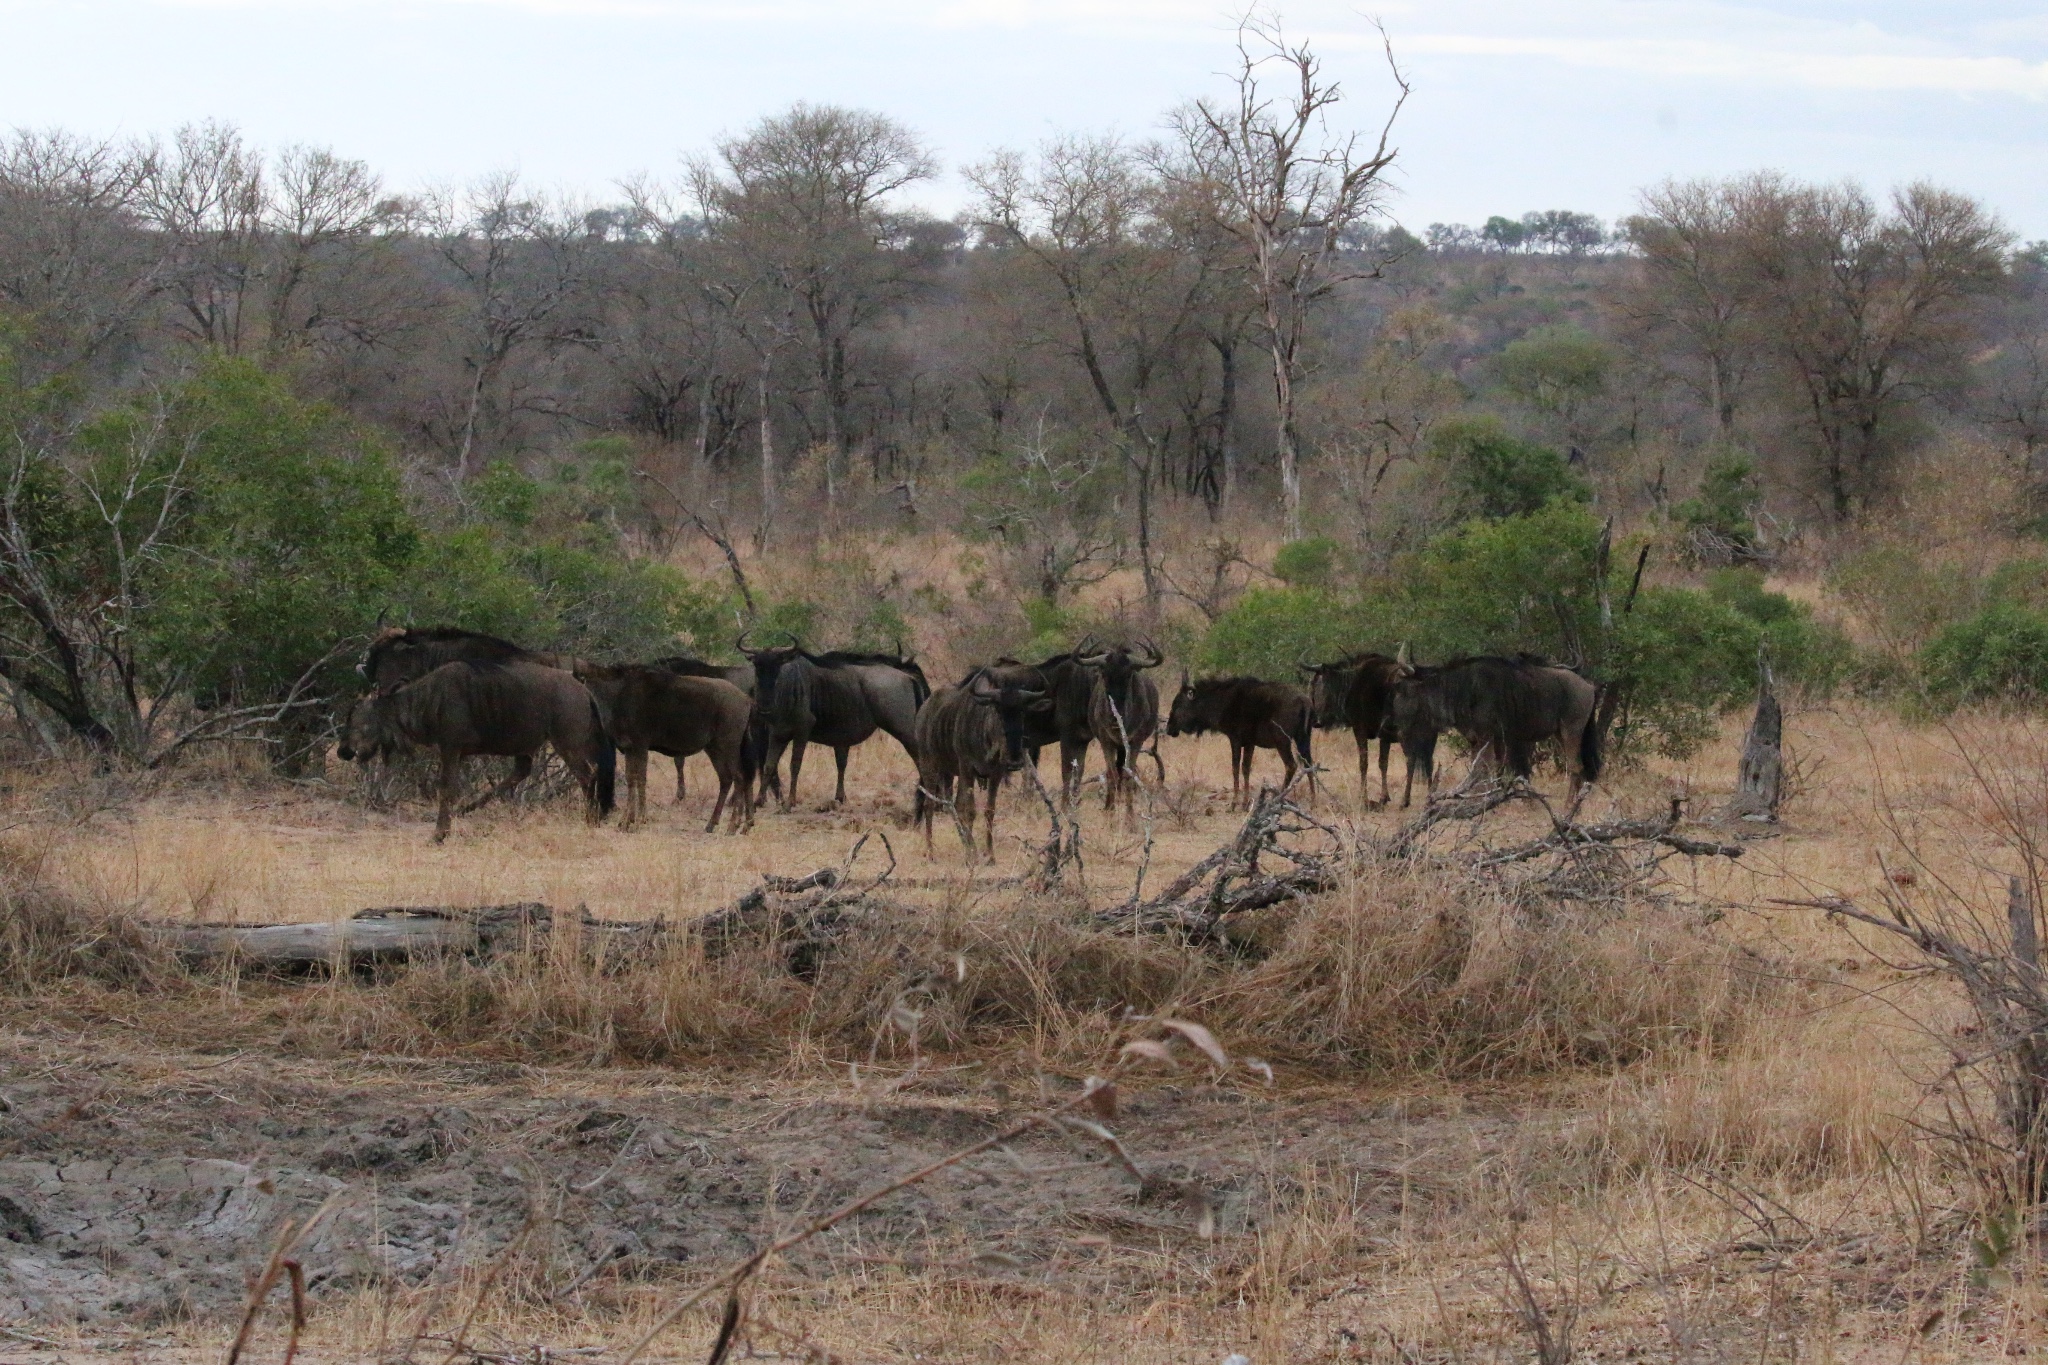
<point>1681,656</point>
<point>1496,475</point>
<point>1554,369</point>
<point>1815,654</point>
<point>293,533</point>
<point>1268,631</point>
<point>1998,653</point>
<point>1722,515</point>
<point>505,495</point>
<point>1309,563</point>
<point>1901,596</point>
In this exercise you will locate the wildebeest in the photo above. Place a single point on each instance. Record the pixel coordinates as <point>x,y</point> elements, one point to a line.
<point>1123,714</point>
<point>400,654</point>
<point>1253,714</point>
<point>1503,708</point>
<point>968,735</point>
<point>1358,693</point>
<point>508,709</point>
<point>838,699</point>
<point>739,675</point>
<point>651,708</point>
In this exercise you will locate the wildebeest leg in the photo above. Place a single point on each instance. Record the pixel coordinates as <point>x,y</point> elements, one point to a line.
<point>679,779</point>
<point>963,814</point>
<point>636,787</point>
<point>451,776</point>
<point>1420,751</point>
<point>1285,748</point>
<point>522,768</point>
<point>839,753</point>
<point>1236,768</point>
<point>1073,767</point>
<point>990,785</point>
<point>796,765</point>
<point>1386,748</point>
<point>728,777</point>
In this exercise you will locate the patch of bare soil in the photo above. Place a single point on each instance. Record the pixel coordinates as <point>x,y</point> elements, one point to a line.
<point>148,1188</point>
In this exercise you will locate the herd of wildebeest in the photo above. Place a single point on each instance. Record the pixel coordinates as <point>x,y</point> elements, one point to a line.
<point>461,693</point>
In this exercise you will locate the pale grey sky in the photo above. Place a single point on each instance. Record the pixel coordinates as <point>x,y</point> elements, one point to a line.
<point>1518,105</point>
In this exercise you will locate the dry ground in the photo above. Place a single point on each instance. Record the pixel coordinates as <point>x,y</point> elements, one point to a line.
<point>1764,1186</point>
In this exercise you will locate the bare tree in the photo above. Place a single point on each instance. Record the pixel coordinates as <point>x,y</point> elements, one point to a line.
<point>73,264</point>
<point>207,196</point>
<point>803,196</point>
<point>1696,282</point>
<point>1289,201</point>
<point>322,211</point>
<point>1866,308</point>
<point>521,264</point>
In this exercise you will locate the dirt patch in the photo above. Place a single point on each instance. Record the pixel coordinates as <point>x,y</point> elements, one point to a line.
<point>151,1188</point>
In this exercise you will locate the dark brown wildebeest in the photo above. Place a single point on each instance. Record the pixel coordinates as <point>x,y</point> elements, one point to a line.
<point>1503,708</point>
<point>653,709</point>
<point>838,699</point>
<point>400,654</point>
<point>739,675</point>
<point>1357,693</point>
<point>507,709</point>
<point>1253,714</point>
<point>1123,715</point>
<point>967,735</point>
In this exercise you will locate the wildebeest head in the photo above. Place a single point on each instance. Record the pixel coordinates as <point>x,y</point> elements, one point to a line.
<point>400,654</point>
<point>1013,704</point>
<point>1118,665</point>
<point>1328,685</point>
<point>767,662</point>
<point>370,733</point>
<point>1194,707</point>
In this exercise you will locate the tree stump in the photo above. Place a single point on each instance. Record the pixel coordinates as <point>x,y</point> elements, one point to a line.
<point>1759,779</point>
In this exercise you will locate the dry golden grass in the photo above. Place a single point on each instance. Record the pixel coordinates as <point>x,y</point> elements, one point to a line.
<point>1700,1130</point>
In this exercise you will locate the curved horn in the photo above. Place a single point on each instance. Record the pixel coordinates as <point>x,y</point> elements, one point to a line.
<point>1153,656</point>
<point>741,643</point>
<point>1401,656</point>
<point>984,689</point>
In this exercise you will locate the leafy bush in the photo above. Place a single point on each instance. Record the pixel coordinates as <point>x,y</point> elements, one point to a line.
<point>1680,655</point>
<point>1556,368</point>
<point>1902,597</point>
<point>2000,652</point>
<point>1720,520</point>
<point>1268,631</point>
<point>1498,475</point>
<point>1309,563</point>
<point>1815,654</point>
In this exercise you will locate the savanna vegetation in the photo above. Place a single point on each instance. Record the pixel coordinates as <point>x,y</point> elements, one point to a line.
<point>1616,1082</point>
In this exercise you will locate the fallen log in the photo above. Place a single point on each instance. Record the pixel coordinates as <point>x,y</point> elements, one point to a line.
<point>381,935</point>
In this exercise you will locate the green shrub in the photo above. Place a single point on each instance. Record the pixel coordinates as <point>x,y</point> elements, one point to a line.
<point>1681,655</point>
<point>1310,563</point>
<point>1904,599</point>
<point>1497,475</point>
<point>1268,631</point>
<point>1721,518</point>
<point>1814,654</point>
<point>1999,653</point>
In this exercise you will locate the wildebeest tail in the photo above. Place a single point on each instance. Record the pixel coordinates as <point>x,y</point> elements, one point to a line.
<point>607,763</point>
<point>753,751</point>
<point>1589,743</point>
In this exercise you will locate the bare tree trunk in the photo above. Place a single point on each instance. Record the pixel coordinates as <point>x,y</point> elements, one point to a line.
<point>1226,422</point>
<point>1290,465</point>
<point>768,475</point>
<point>1759,778</point>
